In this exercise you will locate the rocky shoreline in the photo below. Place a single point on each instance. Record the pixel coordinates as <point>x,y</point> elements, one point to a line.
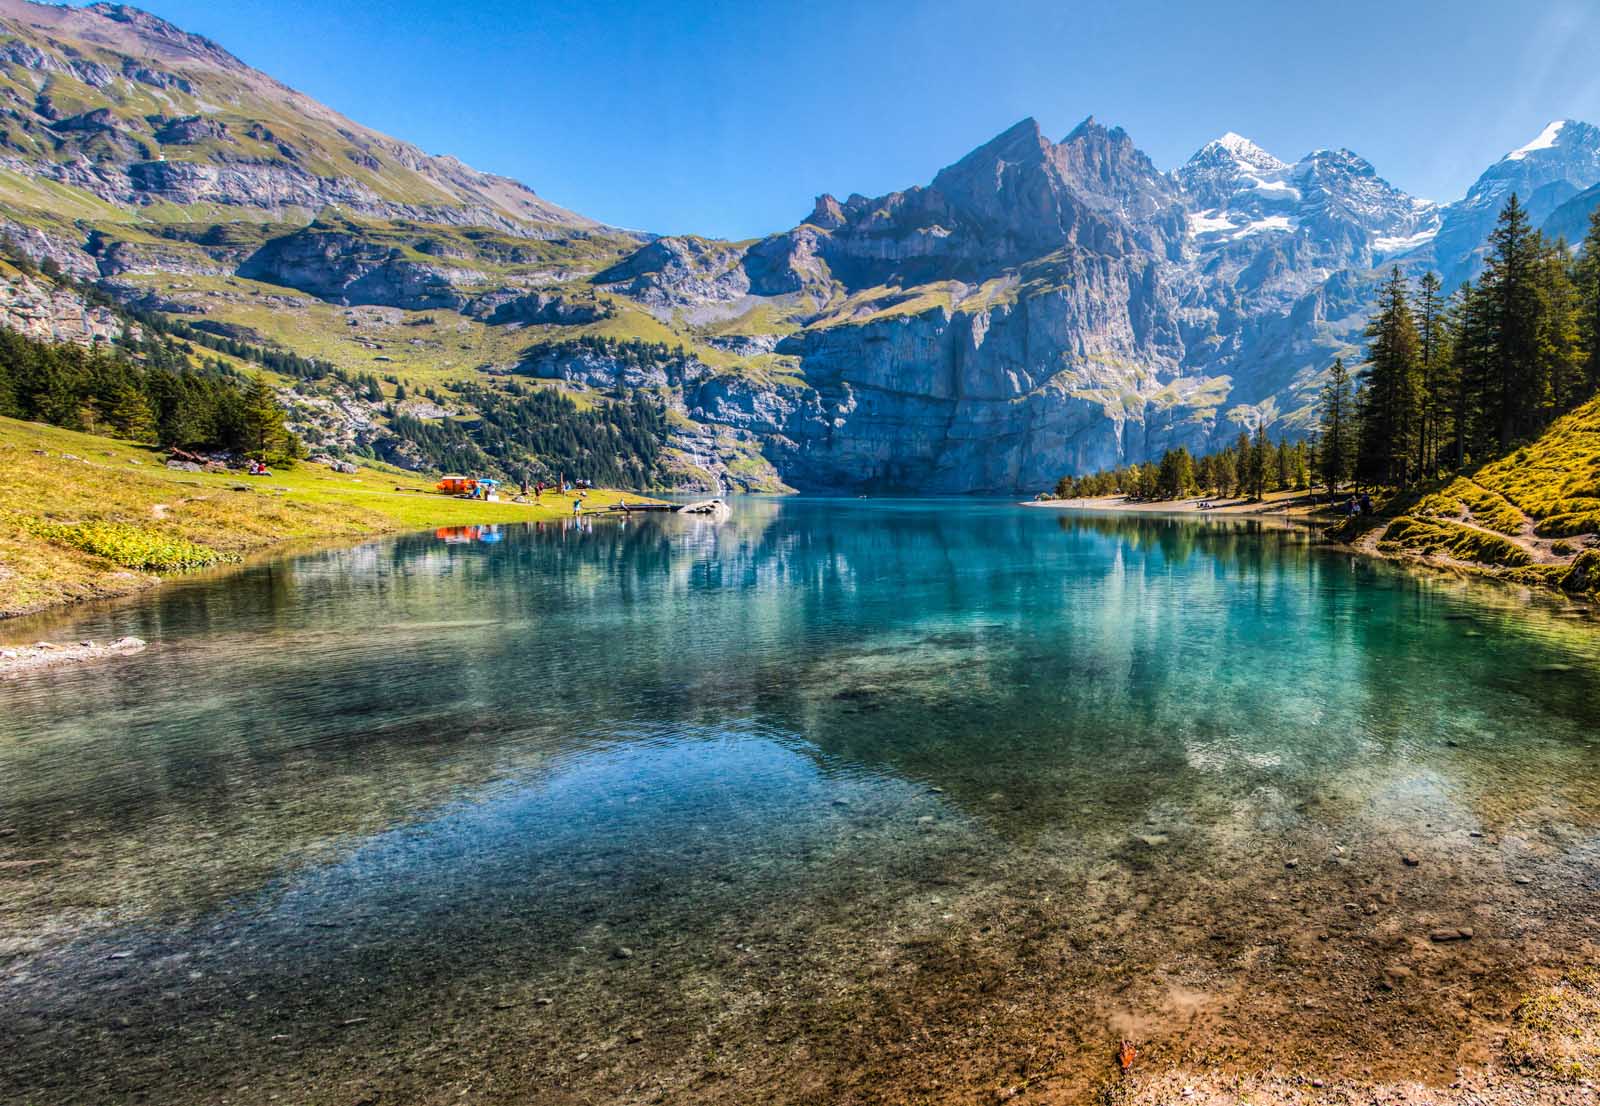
<point>17,659</point>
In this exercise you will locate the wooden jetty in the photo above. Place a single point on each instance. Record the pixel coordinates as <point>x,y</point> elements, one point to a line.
<point>639,508</point>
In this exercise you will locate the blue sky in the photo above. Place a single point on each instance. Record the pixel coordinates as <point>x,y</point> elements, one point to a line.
<point>728,118</point>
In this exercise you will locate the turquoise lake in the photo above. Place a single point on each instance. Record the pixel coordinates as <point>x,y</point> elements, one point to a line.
<point>831,801</point>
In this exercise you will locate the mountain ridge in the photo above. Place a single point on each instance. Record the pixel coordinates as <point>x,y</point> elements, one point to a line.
<point>1035,307</point>
<point>157,55</point>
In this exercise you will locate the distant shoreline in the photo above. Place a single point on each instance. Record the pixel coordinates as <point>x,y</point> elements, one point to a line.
<point>1292,505</point>
<point>1297,509</point>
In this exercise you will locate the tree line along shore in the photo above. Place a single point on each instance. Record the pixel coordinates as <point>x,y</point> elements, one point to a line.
<point>1472,429</point>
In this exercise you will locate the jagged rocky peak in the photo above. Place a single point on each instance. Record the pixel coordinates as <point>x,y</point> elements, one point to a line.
<point>1105,167</point>
<point>1040,192</point>
<point>1015,154</point>
<point>827,214</point>
<point>1342,185</point>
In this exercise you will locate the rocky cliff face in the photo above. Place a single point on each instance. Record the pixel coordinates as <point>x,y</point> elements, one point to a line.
<point>1047,307</point>
<point>43,311</point>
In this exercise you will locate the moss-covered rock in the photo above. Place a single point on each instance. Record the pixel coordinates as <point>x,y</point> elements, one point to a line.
<point>1583,576</point>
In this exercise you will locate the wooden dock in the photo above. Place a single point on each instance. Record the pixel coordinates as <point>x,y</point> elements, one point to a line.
<point>637,508</point>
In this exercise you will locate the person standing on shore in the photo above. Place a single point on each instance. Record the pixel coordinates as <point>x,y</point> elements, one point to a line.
<point>577,508</point>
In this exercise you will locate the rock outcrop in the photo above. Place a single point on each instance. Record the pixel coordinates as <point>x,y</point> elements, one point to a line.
<point>47,312</point>
<point>345,267</point>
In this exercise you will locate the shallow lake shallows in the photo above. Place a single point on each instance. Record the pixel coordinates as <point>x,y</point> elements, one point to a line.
<point>837,800</point>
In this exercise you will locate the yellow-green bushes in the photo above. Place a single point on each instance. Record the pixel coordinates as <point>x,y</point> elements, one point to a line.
<point>131,546</point>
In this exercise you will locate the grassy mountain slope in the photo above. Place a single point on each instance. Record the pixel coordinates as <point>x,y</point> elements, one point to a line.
<point>121,89</point>
<point>156,164</point>
<point>1532,517</point>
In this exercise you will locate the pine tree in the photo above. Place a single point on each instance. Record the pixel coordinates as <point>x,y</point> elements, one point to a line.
<point>1224,473</point>
<point>1586,275</point>
<point>1560,371</point>
<point>1510,288</point>
<point>1243,460</point>
<point>1336,455</point>
<point>1474,367</point>
<point>1433,359</point>
<point>267,439</point>
<point>1391,394</point>
<point>1261,468</point>
<point>1176,476</point>
<point>131,415</point>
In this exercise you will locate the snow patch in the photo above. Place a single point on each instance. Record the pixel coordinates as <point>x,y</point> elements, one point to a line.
<point>1238,144</point>
<point>1401,243</point>
<point>1209,222</point>
<point>1547,138</point>
<point>1241,151</point>
<point>1259,226</point>
<point>1277,188</point>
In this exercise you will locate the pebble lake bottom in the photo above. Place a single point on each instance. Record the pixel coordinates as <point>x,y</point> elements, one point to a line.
<point>846,801</point>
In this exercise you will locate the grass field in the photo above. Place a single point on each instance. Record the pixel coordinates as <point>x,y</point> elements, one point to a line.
<point>63,494</point>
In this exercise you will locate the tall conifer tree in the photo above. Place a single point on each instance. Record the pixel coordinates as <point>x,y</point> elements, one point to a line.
<point>1337,446</point>
<point>1391,394</point>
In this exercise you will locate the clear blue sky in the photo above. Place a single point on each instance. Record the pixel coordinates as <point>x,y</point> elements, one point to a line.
<point>726,118</point>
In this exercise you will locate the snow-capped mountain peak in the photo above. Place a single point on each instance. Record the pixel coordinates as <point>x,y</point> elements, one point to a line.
<point>1237,150</point>
<point>1227,167</point>
<point>1548,138</point>
<point>1562,161</point>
